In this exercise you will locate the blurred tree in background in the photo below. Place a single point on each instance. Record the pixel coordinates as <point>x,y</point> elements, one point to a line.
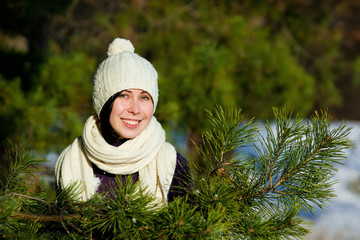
<point>231,53</point>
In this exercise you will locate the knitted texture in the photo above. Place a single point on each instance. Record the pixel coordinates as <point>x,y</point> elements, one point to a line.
<point>147,153</point>
<point>123,69</point>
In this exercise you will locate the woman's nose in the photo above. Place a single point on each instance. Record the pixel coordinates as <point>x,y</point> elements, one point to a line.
<point>134,107</point>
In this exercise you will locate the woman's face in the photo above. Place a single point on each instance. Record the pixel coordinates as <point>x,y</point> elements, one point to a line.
<point>131,113</point>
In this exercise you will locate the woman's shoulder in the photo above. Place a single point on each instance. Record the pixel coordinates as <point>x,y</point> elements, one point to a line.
<point>181,159</point>
<point>74,149</point>
<point>182,164</point>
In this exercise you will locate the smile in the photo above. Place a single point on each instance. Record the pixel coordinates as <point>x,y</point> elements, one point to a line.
<point>131,123</point>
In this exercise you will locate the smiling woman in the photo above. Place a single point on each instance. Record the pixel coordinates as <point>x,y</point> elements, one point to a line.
<point>123,138</point>
<point>131,113</point>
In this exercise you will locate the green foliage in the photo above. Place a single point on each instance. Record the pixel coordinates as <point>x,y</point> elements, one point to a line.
<point>229,62</point>
<point>18,192</point>
<point>292,171</point>
<point>122,212</point>
<point>67,80</point>
<point>22,163</point>
<point>253,55</point>
<point>356,69</point>
<point>26,116</point>
<point>56,108</point>
<point>234,196</point>
<point>303,26</point>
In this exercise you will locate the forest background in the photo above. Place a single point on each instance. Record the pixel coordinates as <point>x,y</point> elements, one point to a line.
<point>299,53</point>
<point>253,55</point>
<point>249,54</point>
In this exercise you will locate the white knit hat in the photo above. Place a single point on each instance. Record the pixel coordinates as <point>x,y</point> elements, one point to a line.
<point>123,69</point>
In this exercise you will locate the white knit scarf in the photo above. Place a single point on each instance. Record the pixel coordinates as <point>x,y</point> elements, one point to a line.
<point>147,153</point>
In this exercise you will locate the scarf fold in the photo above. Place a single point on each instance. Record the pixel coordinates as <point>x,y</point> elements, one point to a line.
<point>147,153</point>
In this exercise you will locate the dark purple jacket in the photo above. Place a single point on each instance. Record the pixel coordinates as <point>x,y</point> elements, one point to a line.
<point>180,180</point>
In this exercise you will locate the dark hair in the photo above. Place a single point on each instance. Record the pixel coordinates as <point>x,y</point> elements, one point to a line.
<point>107,131</point>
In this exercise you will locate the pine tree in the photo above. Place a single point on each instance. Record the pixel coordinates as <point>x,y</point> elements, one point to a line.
<point>234,194</point>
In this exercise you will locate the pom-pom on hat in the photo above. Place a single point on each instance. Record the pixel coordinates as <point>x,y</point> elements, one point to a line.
<point>123,69</point>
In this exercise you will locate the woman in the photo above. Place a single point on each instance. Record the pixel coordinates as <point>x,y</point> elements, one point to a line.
<point>123,137</point>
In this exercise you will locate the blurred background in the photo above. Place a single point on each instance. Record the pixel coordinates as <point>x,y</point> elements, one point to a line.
<point>254,55</point>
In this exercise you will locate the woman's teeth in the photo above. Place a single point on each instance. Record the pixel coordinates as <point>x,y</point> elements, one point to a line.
<point>131,122</point>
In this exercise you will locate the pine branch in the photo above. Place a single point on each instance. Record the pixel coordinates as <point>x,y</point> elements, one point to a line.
<point>226,135</point>
<point>272,187</point>
<point>298,167</point>
<point>233,195</point>
<point>23,160</point>
<point>45,218</point>
<point>301,163</point>
<point>30,197</point>
<point>293,167</point>
<point>276,155</point>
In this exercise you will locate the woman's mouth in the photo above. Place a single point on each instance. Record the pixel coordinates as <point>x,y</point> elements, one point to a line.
<point>131,123</point>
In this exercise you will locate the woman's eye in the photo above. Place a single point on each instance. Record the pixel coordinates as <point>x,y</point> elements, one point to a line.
<point>145,97</point>
<point>123,95</point>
